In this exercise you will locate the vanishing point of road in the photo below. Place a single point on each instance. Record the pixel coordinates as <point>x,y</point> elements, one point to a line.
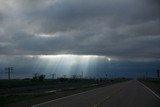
<point>126,94</point>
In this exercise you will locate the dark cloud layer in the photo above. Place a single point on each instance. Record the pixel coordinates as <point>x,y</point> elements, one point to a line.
<point>125,29</point>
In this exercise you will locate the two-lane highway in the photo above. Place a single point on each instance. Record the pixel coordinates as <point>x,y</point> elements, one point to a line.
<point>126,94</point>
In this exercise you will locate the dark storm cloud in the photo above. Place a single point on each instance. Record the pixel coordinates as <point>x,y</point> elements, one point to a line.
<point>124,29</point>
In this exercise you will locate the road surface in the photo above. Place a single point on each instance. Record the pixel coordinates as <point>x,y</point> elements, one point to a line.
<point>127,94</point>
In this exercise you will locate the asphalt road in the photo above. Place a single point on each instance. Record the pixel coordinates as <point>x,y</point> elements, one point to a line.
<point>127,94</point>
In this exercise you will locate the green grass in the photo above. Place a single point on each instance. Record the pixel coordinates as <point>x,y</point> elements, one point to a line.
<point>4,100</point>
<point>151,81</point>
<point>22,83</point>
<point>13,98</point>
<point>156,81</point>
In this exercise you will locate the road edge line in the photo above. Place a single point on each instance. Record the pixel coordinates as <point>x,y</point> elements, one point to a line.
<point>73,95</point>
<point>65,97</point>
<point>149,90</point>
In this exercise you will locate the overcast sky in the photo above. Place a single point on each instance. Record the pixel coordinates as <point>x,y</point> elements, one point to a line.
<point>120,29</point>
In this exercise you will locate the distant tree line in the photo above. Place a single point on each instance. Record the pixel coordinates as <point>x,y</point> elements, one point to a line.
<point>38,77</point>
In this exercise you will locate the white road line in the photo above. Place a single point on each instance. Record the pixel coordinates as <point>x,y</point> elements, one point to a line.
<point>65,97</point>
<point>150,90</point>
<point>68,96</point>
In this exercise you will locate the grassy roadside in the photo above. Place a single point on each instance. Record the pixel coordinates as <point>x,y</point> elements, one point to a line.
<point>9,99</point>
<point>153,81</point>
<point>153,84</point>
<point>5,100</point>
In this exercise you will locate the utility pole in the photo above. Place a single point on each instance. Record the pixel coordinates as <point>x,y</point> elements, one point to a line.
<point>9,71</point>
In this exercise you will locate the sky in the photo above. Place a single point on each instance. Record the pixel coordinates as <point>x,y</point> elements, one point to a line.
<point>89,37</point>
